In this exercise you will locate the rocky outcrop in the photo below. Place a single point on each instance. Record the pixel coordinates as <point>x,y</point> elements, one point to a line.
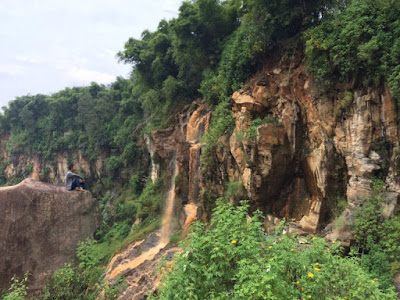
<point>282,148</point>
<point>297,149</point>
<point>137,264</point>
<point>40,227</point>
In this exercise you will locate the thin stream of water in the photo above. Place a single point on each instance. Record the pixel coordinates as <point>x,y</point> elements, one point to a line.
<point>165,231</point>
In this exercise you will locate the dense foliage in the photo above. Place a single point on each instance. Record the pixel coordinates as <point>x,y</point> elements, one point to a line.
<point>234,259</point>
<point>93,120</point>
<point>378,238</point>
<point>18,289</point>
<point>359,45</point>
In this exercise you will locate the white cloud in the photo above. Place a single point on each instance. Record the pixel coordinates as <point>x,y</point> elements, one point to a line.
<point>27,59</point>
<point>85,76</point>
<point>12,69</point>
<point>61,61</point>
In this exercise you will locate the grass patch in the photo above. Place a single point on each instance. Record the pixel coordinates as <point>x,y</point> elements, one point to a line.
<point>176,237</point>
<point>139,232</point>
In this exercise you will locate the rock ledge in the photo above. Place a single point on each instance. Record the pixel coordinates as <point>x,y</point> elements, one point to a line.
<point>40,227</point>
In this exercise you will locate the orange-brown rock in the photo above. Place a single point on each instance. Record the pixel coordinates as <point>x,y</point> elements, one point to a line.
<point>40,227</point>
<point>138,264</point>
<point>313,148</point>
<point>183,141</point>
<point>166,141</point>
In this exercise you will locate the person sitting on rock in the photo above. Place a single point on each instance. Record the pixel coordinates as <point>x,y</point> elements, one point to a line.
<point>74,181</point>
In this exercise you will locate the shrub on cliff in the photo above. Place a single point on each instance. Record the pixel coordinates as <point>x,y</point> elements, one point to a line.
<point>377,238</point>
<point>17,290</point>
<point>222,122</point>
<point>360,42</point>
<point>83,283</point>
<point>234,259</point>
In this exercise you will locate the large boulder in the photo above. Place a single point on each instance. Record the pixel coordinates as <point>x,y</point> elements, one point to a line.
<point>40,227</point>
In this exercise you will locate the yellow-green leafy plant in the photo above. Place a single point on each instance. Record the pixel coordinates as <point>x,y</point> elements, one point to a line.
<point>232,258</point>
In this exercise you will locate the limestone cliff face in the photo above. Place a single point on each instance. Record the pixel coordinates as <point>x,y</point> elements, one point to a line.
<point>40,227</point>
<point>310,149</point>
<point>183,142</point>
<point>33,166</point>
<point>295,148</point>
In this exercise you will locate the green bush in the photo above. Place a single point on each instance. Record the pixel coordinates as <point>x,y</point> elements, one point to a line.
<point>376,263</point>
<point>378,239</point>
<point>234,191</point>
<point>367,220</point>
<point>345,103</point>
<point>150,202</point>
<point>222,122</point>
<point>237,64</point>
<point>234,259</point>
<point>17,290</point>
<point>389,235</point>
<point>113,165</point>
<point>3,179</point>
<point>360,42</point>
<point>66,283</point>
<point>117,218</point>
<point>69,283</point>
<point>28,170</point>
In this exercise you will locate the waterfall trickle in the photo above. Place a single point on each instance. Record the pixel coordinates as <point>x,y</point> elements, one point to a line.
<point>166,227</point>
<point>180,147</point>
<point>124,263</point>
<point>198,124</point>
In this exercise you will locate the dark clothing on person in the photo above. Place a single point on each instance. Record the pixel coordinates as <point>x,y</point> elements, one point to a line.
<point>72,181</point>
<point>76,183</point>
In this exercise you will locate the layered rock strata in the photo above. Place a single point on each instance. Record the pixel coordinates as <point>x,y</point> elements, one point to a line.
<point>297,150</point>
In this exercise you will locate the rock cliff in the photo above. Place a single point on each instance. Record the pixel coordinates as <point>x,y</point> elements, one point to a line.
<point>40,227</point>
<point>183,142</point>
<point>297,149</point>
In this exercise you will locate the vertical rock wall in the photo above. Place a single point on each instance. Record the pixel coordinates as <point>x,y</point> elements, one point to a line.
<point>183,141</point>
<point>310,149</point>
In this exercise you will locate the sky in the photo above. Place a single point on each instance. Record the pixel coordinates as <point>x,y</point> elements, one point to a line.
<point>47,45</point>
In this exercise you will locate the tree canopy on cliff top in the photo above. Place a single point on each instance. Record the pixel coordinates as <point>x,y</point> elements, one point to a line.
<point>209,50</point>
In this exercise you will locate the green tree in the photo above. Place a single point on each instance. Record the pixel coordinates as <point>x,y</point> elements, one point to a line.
<point>360,43</point>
